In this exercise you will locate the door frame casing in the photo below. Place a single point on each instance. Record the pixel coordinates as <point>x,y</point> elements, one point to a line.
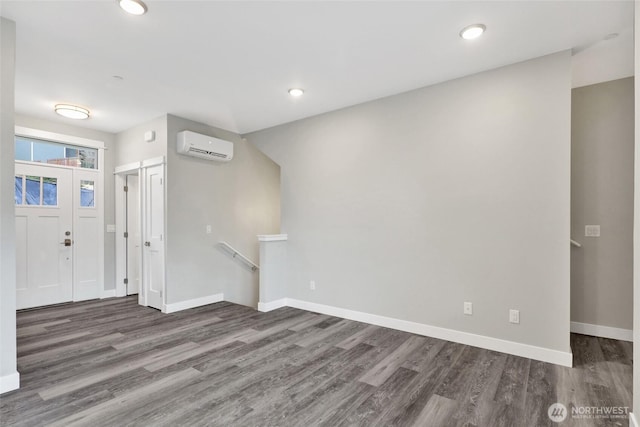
<point>120,175</point>
<point>89,143</point>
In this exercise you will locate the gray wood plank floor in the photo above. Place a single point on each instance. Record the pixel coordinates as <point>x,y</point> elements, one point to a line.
<point>115,363</point>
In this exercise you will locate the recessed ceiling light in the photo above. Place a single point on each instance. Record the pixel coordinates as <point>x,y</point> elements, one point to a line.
<point>134,7</point>
<point>296,92</point>
<point>72,111</point>
<point>472,31</point>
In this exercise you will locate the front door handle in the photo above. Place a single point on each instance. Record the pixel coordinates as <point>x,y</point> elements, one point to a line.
<point>147,243</point>
<point>67,242</point>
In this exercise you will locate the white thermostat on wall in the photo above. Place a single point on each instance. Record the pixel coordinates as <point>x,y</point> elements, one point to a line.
<point>592,230</point>
<point>150,136</point>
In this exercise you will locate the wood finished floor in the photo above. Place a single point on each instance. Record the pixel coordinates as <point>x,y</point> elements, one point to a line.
<point>114,363</point>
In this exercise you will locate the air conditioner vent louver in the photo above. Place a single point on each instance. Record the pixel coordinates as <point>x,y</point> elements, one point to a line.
<point>208,153</point>
<point>204,147</point>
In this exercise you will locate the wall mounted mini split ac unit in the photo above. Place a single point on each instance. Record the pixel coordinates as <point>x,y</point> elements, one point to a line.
<point>204,147</point>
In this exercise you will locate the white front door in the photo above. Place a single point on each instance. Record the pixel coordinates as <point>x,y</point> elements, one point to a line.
<point>87,220</point>
<point>44,235</point>
<point>153,237</point>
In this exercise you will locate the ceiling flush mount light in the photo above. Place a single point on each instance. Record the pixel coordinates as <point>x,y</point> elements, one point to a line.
<point>296,92</point>
<point>134,7</point>
<point>72,111</point>
<point>472,31</point>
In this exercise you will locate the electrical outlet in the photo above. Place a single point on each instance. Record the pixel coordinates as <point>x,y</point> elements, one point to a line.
<point>468,308</point>
<point>514,316</point>
<point>208,229</point>
<point>312,285</point>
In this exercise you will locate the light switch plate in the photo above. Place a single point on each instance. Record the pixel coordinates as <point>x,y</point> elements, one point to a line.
<point>514,316</point>
<point>468,308</point>
<point>592,230</point>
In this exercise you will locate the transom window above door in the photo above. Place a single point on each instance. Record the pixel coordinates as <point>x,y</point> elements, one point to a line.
<point>55,153</point>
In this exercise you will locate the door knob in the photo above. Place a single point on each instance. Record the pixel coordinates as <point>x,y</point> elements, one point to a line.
<point>147,243</point>
<point>67,242</point>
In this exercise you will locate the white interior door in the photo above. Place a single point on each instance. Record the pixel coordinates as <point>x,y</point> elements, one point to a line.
<point>44,238</point>
<point>153,251</point>
<point>133,234</point>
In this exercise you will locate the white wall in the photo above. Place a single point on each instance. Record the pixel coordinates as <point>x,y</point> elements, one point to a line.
<point>109,154</point>
<point>410,205</point>
<point>239,199</point>
<point>9,378</point>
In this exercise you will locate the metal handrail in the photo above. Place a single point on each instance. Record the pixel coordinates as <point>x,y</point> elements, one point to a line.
<point>574,243</point>
<point>237,254</point>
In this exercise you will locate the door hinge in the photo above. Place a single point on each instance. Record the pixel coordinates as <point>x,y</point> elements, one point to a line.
<point>126,234</point>
<point>126,188</point>
<point>126,281</point>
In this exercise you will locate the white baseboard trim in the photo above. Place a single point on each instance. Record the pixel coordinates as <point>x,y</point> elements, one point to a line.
<point>633,422</point>
<point>272,305</point>
<point>192,303</point>
<point>510,347</point>
<point>602,331</point>
<point>9,382</point>
<point>109,293</point>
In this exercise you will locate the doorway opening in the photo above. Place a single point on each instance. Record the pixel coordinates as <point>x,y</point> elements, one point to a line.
<point>140,231</point>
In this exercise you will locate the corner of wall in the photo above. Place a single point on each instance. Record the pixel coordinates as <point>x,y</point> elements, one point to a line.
<point>9,377</point>
<point>238,200</point>
<point>399,236</point>
<point>636,221</point>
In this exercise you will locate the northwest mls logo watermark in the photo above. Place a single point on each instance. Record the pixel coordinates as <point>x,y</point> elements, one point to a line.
<point>558,412</point>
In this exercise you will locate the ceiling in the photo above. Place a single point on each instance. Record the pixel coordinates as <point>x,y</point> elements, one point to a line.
<point>230,64</point>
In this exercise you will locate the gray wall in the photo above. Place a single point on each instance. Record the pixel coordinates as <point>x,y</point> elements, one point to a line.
<point>8,362</point>
<point>410,205</point>
<point>602,193</point>
<point>636,222</point>
<point>131,146</point>
<point>109,153</point>
<point>239,199</point>
<point>273,270</point>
